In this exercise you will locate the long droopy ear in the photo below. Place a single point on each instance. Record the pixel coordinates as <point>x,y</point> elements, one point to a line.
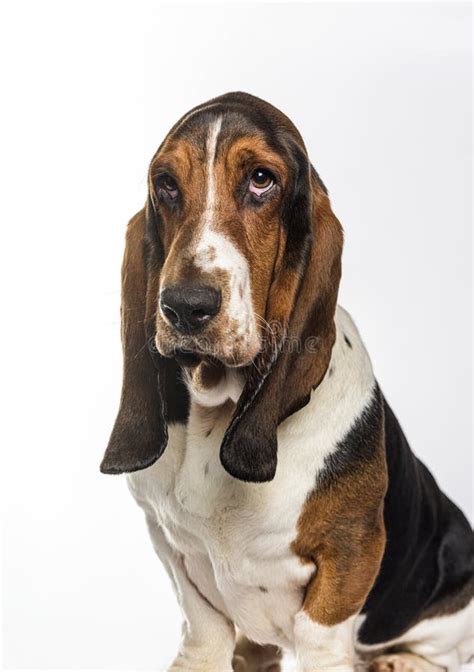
<point>152,391</point>
<point>296,354</point>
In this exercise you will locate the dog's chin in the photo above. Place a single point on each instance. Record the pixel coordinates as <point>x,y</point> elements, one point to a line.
<point>188,359</point>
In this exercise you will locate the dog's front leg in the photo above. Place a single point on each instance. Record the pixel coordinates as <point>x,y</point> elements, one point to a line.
<point>208,636</point>
<point>324,628</point>
<point>322,648</point>
<point>347,565</point>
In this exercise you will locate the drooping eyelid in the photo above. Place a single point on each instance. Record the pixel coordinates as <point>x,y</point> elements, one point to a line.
<point>163,171</point>
<point>160,168</point>
<point>256,197</point>
<point>260,191</point>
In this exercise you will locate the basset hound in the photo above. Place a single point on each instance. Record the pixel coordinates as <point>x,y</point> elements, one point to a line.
<point>287,508</point>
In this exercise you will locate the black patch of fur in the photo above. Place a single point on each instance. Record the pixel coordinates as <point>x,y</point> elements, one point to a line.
<point>358,446</point>
<point>429,558</point>
<point>348,343</point>
<point>255,457</point>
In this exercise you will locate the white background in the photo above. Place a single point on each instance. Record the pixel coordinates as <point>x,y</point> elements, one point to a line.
<point>381,94</point>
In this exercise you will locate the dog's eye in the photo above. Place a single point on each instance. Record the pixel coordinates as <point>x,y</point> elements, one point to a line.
<point>261,181</point>
<point>166,187</point>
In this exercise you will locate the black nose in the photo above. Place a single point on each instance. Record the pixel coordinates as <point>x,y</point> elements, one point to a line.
<point>189,309</point>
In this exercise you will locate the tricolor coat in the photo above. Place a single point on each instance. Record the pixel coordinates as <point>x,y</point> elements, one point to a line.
<point>287,508</point>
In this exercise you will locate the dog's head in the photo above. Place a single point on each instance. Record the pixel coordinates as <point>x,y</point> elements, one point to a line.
<point>236,254</point>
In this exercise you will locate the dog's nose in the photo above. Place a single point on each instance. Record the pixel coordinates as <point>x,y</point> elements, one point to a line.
<point>189,309</point>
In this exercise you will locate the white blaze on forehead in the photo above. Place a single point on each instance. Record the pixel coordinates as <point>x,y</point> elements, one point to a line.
<point>211,147</point>
<point>215,251</point>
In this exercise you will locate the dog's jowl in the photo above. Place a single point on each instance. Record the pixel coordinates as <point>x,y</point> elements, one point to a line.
<point>279,490</point>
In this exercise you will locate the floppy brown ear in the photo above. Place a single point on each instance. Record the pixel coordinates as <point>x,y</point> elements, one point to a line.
<point>152,391</point>
<point>302,303</point>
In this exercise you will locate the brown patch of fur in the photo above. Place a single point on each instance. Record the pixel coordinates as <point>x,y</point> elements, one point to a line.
<point>207,375</point>
<point>341,530</point>
<point>186,162</point>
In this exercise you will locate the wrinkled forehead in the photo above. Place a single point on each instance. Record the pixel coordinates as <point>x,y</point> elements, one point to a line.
<point>226,127</point>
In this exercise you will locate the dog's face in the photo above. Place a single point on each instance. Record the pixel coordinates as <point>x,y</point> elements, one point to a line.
<point>237,235</point>
<point>219,182</point>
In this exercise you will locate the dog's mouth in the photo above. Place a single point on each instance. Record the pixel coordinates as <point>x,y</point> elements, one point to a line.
<point>188,358</point>
<point>190,350</point>
<point>184,355</point>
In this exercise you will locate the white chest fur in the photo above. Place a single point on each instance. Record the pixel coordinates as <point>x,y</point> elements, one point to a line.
<point>235,538</point>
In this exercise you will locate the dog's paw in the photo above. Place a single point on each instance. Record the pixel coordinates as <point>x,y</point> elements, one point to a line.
<point>252,657</point>
<point>401,662</point>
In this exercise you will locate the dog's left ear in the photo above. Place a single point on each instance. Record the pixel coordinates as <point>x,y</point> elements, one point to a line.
<point>301,310</point>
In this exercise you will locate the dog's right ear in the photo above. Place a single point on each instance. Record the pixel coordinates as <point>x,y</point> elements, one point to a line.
<point>152,391</point>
